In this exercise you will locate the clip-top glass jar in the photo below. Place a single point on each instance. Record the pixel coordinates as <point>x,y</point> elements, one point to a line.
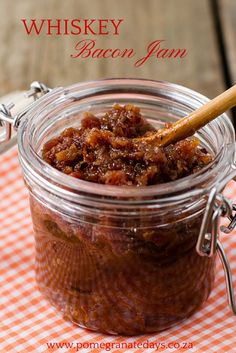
<point>123,260</point>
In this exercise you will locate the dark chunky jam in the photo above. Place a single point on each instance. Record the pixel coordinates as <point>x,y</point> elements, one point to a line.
<point>103,151</point>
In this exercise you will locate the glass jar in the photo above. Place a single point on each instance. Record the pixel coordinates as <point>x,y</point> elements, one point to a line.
<point>121,260</point>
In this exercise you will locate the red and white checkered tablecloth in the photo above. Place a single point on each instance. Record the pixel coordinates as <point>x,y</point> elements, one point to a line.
<point>28,323</point>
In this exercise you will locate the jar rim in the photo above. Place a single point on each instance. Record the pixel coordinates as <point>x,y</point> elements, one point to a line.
<point>61,184</point>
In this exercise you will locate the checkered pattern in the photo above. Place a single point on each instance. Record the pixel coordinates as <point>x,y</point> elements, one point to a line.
<point>28,322</point>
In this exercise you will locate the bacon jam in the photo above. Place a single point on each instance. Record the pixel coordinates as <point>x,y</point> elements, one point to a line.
<point>119,274</point>
<point>103,151</point>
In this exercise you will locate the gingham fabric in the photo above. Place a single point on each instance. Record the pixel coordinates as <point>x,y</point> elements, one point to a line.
<point>28,323</point>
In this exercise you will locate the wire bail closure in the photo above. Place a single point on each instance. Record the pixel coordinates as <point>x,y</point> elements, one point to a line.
<point>8,120</point>
<point>208,243</point>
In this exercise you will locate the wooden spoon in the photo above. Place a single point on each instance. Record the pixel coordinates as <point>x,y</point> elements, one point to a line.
<point>188,125</point>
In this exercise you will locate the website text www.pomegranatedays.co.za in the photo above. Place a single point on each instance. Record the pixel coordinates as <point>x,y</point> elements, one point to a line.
<point>122,346</point>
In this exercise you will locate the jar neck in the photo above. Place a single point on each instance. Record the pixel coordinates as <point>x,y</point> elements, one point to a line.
<point>160,102</point>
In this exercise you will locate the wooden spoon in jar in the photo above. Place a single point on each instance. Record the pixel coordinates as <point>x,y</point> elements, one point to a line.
<point>188,125</point>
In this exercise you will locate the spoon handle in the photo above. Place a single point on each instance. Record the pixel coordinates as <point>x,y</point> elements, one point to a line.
<point>188,125</point>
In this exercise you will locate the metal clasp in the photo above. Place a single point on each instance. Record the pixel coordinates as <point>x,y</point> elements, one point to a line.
<point>217,206</point>
<point>10,121</point>
<point>208,242</point>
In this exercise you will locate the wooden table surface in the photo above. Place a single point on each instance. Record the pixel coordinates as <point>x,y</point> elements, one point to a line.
<point>206,28</point>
